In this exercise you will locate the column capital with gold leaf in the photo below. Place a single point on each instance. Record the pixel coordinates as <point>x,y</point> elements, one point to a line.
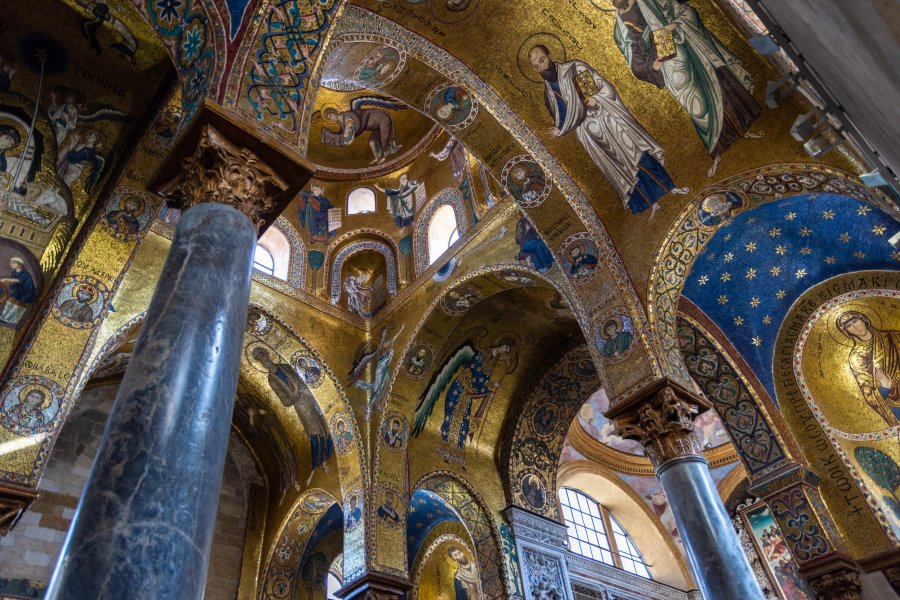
<point>220,157</point>
<point>661,418</point>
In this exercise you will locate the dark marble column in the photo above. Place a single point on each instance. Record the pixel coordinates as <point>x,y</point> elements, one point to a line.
<point>144,526</point>
<point>663,422</point>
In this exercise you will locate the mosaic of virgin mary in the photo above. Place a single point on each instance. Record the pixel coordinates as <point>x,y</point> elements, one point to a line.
<point>874,361</point>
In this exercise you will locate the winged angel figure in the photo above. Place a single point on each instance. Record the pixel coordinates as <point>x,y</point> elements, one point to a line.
<point>470,377</point>
<point>382,353</point>
<point>367,113</point>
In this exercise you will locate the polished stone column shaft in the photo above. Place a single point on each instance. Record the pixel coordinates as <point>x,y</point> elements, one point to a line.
<point>717,559</point>
<point>144,525</point>
<point>663,422</point>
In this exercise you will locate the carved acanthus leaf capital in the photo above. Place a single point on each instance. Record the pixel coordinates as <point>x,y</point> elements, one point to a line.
<point>219,171</point>
<point>840,585</point>
<point>664,425</point>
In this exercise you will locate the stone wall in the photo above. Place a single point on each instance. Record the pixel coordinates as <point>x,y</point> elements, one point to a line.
<point>223,577</point>
<point>28,553</point>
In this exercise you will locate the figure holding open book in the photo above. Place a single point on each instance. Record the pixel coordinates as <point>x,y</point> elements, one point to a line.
<point>580,99</point>
<point>667,45</point>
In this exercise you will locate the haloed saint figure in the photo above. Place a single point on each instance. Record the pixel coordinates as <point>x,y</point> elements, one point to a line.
<point>466,583</point>
<point>875,364</point>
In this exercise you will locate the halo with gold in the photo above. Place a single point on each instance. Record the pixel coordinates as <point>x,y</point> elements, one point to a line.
<point>548,40</point>
<point>834,314</point>
<point>36,387</point>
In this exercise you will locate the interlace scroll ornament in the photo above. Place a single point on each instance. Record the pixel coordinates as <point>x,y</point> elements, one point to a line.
<point>664,426</point>
<point>222,172</point>
<point>841,585</point>
<point>798,523</point>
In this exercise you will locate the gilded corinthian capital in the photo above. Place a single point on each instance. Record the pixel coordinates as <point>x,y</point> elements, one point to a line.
<point>219,171</point>
<point>664,425</point>
<point>220,158</point>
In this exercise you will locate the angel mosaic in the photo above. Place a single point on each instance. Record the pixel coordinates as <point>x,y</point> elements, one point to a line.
<point>293,392</point>
<point>382,353</point>
<point>366,114</point>
<point>67,111</point>
<point>614,337</point>
<point>468,381</point>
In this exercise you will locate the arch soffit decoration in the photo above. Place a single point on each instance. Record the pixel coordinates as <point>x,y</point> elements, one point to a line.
<point>532,448</point>
<point>429,550</point>
<point>488,286</point>
<point>852,481</point>
<point>481,526</point>
<point>361,26</point>
<point>639,520</point>
<point>278,337</point>
<point>761,446</point>
<point>448,197</point>
<point>688,236</point>
<point>290,543</point>
<point>456,528</point>
<point>386,460</point>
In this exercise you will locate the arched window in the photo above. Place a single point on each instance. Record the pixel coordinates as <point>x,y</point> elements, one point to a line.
<point>333,585</point>
<point>273,254</point>
<point>360,201</point>
<point>263,260</point>
<point>589,525</point>
<point>442,232</point>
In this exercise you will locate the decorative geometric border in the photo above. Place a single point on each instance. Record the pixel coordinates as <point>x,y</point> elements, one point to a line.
<point>450,196</point>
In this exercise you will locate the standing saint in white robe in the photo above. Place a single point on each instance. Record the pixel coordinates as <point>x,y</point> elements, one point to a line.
<point>581,100</point>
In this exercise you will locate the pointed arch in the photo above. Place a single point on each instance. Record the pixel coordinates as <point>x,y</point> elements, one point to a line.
<point>294,350</point>
<point>533,440</point>
<point>469,505</point>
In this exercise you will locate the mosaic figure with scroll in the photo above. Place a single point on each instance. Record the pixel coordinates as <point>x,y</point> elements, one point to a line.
<point>361,118</point>
<point>875,364</point>
<point>667,45</point>
<point>581,100</point>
